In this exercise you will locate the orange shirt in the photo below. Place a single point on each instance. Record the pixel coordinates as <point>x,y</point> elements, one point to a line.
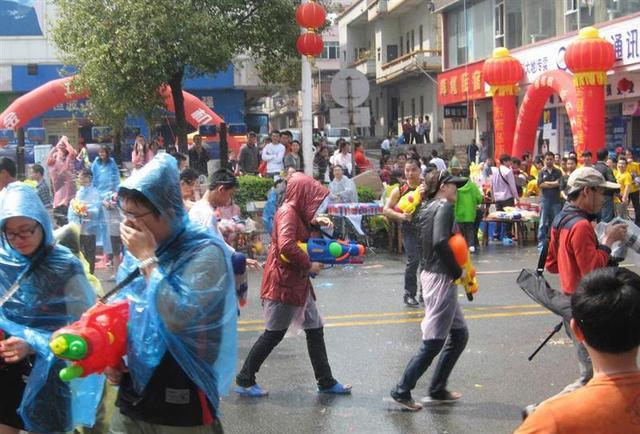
<point>606,405</point>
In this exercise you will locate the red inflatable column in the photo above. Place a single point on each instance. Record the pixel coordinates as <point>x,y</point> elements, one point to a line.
<point>589,58</point>
<point>503,73</point>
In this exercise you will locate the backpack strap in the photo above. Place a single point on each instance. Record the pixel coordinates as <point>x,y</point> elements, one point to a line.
<point>568,219</point>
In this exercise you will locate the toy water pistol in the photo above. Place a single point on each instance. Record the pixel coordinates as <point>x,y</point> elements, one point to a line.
<point>239,263</point>
<point>96,341</point>
<point>409,202</point>
<point>327,251</point>
<point>461,252</point>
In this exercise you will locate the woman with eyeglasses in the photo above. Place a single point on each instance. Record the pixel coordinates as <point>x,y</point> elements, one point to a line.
<point>188,180</point>
<point>42,288</point>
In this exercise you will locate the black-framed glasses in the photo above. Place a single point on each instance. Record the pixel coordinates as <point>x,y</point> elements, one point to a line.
<point>22,234</point>
<point>129,216</point>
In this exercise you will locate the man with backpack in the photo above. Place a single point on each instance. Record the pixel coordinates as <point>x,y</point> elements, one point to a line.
<point>574,249</point>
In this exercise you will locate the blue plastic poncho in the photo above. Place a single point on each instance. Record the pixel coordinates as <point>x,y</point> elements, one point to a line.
<point>91,218</point>
<point>188,306</point>
<point>106,176</point>
<point>54,294</point>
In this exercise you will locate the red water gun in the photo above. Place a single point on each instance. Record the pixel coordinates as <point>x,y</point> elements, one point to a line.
<point>96,341</point>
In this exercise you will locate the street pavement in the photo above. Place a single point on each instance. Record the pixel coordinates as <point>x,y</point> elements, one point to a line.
<point>371,335</point>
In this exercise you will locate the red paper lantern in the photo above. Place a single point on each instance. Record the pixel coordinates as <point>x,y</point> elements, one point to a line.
<point>589,57</point>
<point>502,70</point>
<point>310,44</point>
<point>311,15</point>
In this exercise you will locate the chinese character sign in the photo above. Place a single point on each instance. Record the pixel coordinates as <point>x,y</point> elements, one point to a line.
<point>461,84</point>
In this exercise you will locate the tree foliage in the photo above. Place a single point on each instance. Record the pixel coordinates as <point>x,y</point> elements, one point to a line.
<point>125,50</point>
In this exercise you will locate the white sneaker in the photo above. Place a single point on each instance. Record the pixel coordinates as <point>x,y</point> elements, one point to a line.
<point>472,249</point>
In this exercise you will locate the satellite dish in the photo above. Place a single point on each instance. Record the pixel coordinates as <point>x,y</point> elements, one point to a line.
<point>340,87</point>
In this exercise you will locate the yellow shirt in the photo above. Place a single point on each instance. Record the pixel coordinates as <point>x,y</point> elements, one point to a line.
<point>532,188</point>
<point>624,179</point>
<point>533,172</point>
<point>634,170</point>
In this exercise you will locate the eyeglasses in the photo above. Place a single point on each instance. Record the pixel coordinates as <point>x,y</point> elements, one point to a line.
<point>23,234</point>
<point>129,216</point>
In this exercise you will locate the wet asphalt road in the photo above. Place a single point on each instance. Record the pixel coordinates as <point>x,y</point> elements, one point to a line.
<point>370,337</point>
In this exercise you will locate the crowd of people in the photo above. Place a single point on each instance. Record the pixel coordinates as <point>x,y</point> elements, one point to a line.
<point>169,254</point>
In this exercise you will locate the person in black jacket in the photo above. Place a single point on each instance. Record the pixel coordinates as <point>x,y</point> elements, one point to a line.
<point>443,321</point>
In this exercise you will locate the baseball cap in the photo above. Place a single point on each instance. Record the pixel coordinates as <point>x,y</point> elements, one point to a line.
<point>588,177</point>
<point>445,177</point>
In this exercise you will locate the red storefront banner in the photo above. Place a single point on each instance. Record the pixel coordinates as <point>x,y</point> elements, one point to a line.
<point>461,84</point>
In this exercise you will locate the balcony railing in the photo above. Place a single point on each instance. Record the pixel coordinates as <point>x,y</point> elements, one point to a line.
<point>430,60</point>
<point>366,65</point>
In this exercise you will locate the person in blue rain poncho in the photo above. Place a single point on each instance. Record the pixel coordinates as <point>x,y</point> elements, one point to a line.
<point>52,291</point>
<point>86,210</point>
<point>106,178</point>
<point>182,335</point>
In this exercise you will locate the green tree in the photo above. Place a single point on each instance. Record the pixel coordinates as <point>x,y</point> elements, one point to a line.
<point>126,50</point>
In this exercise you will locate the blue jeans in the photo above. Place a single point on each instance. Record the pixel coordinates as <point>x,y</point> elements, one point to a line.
<point>504,229</point>
<point>413,250</point>
<point>455,344</point>
<point>606,213</point>
<point>549,209</point>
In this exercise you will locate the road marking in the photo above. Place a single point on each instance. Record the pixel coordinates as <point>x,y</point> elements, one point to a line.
<point>416,312</point>
<point>414,320</point>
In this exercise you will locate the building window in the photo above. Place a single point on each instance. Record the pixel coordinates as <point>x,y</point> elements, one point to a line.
<point>392,52</point>
<point>540,18</point>
<point>422,105</point>
<point>620,8</point>
<point>377,108</point>
<point>468,36</point>
<point>331,50</point>
<point>413,108</point>
<point>514,23</point>
<point>401,46</point>
<point>420,37</point>
<point>409,47</point>
<point>413,40</point>
<point>571,15</point>
<point>498,24</point>
<point>401,111</point>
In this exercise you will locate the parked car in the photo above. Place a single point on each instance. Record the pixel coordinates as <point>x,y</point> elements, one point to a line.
<point>332,135</point>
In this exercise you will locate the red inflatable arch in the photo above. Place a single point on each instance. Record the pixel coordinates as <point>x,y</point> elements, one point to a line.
<point>548,83</point>
<point>55,92</point>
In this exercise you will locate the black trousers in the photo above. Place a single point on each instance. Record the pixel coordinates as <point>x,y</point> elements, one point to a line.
<point>634,198</point>
<point>88,248</point>
<point>270,339</point>
<point>469,233</point>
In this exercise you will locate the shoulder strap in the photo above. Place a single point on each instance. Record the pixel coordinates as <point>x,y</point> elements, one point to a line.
<point>502,176</point>
<point>404,189</point>
<point>569,217</point>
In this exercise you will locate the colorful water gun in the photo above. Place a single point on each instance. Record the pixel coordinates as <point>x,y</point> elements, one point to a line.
<point>96,341</point>
<point>409,202</point>
<point>79,208</point>
<point>239,263</point>
<point>461,252</point>
<point>327,251</point>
